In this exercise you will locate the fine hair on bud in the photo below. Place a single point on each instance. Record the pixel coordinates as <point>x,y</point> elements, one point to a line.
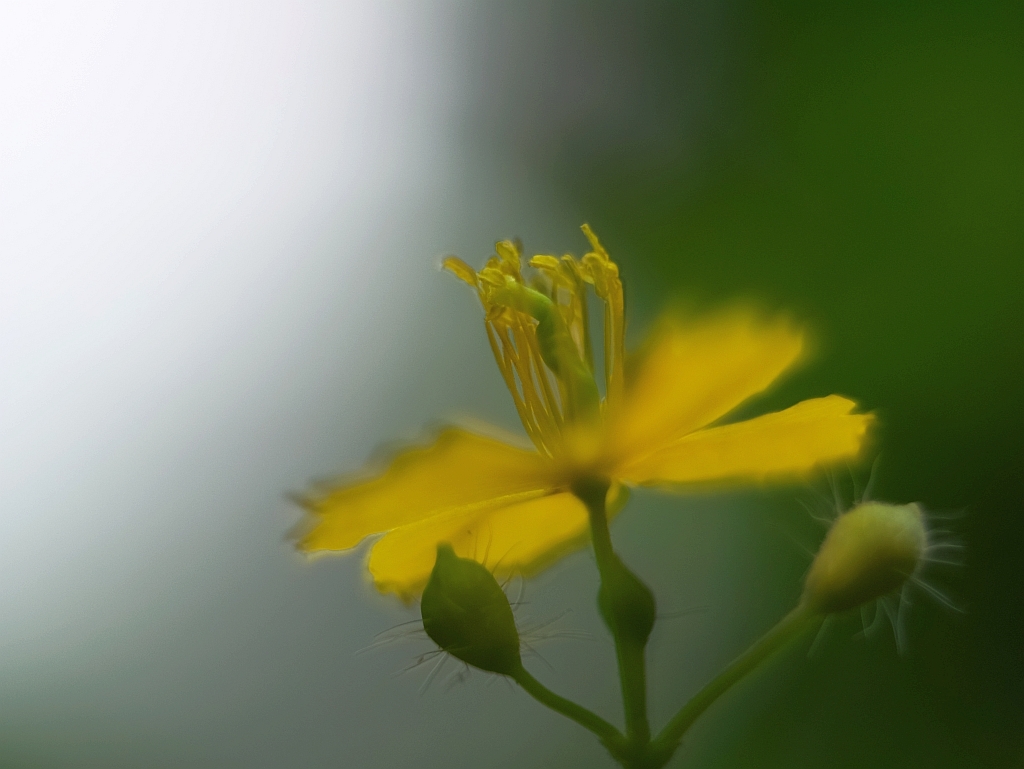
<point>467,614</point>
<point>871,550</point>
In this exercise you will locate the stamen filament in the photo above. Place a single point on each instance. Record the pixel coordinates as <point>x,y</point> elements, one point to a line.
<point>551,405</point>
<point>537,414</point>
<point>504,366</point>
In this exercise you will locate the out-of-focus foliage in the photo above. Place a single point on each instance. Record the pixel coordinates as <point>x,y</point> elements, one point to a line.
<point>864,165</point>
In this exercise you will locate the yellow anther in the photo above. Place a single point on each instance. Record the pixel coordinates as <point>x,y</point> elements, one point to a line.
<point>508,253</point>
<point>599,270</point>
<point>491,277</point>
<point>595,243</point>
<point>573,268</point>
<point>545,262</point>
<point>459,269</point>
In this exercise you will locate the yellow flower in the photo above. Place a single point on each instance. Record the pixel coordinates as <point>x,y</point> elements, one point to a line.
<point>512,508</point>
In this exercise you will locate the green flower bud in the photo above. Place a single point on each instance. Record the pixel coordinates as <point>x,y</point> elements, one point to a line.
<point>626,603</point>
<point>467,614</point>
<point>870,551</point>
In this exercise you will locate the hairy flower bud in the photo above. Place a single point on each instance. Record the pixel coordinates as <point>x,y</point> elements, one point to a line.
<point>467,614</point>
<point>870,551</point>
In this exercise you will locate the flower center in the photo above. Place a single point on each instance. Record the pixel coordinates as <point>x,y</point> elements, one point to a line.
<point>540,334</point>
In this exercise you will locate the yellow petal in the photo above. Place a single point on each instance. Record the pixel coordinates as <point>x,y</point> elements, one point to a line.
<point>692,375</point>
<point>523,537</point>
<point>460,470</point>
<point>789,442</point>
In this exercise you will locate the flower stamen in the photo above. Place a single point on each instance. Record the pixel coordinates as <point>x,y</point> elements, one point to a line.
<point>603,274</point>
<point>540,338</point>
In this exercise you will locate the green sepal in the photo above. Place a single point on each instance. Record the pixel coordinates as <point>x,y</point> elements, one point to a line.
<point>467,614</point>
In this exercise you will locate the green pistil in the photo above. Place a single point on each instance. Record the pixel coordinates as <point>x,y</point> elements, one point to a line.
<point>557,348</point>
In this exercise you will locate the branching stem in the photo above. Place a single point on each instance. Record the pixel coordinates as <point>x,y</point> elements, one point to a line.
<point>627,607</point>
<point>608,734</point>
<point>788,629</point>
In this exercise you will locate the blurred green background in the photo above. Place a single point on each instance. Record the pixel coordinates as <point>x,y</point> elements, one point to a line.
<point>863,165</point>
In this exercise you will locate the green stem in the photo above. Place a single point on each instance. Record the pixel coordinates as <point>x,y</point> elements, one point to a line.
<point>608,734</point>
<point>633,672</point>
<point>600,535</point>
<point>791,626</point>
<point>627,606</point>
